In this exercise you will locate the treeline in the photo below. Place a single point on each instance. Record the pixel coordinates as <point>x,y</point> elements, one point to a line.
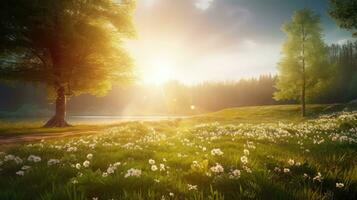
<point>174,97</point>
<point>246,92</point>
<point>343,58</point>
<point>170,98</point>
<point>177,98</point>
<point>212,96</point>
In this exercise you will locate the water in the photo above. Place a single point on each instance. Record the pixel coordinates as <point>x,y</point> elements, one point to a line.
<point>94,119</point>
<point>116,119</point>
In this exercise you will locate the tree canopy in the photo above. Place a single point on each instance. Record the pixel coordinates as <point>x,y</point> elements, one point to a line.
<point>345,14</point>
<point>71,46</point>
<point>303,69</point>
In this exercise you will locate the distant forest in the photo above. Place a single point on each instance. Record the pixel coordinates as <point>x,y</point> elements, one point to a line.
<point>176,98</point>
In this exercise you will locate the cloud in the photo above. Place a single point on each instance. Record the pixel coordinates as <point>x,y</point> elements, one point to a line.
<point>220,26</point>
<point>216,38</point>
<point>203,4</point>
<point>206,45</point>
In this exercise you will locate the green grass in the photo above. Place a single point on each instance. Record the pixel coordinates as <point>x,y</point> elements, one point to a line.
<point>255,114</point>
<point>28,128</point>
<point>273,135</point>
<point>258,114</point>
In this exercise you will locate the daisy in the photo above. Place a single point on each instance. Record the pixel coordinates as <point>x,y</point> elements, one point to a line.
<point>78,166</point>
<point>52,162</point>
<point>246,152</point>
<point>244,159</point>
<point>153,168</point>
<point>340,185</point>
<point>151,161</point>
<point>291,162</point>
<point>216,152</point>
<point>86,163</point>
<point>192,187</point>
<point>90,156</point>
<point>20,173</point>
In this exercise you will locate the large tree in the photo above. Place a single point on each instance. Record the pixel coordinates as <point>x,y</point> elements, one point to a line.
<point>71,46</point>
<point>345,14</point>
<point>303,69</point>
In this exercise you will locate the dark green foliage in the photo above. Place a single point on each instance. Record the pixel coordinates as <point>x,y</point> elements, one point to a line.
<point>343,58</point>
<point>345,14</point>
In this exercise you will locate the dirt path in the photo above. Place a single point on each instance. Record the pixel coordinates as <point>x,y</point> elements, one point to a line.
<point>7,140</point>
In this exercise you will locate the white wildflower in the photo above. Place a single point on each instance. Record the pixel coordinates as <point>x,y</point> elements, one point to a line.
<point>153,168</point>
<point>235,174</point>
<point>151,161</point>
<point>33,158</point>
<point>86,163</point>
<point>244,159</point>
<point>192,187</point>
<point>89,156</point>
<point>18,160</point>
<point>291,162</point>
<point>110,170</point>
<point>216,152</point>
<point>318,177</point>
<point>246,152</point>
<point>133,172</point>
<point>340,185</point>
<point>20,173</point>
<point>162,167</point>
<point>78,166</point>
<point>217,168</point>
<point>9,157</point>
<point>116,164</point>
<point>52,162</point>
<point>25,167</point>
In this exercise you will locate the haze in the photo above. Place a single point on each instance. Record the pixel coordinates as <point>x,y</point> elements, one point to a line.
<point>215,40</point>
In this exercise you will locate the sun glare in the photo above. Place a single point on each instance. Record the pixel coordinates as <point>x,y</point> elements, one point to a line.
<point>161,70</point>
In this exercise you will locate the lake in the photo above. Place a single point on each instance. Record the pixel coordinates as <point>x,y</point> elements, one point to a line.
<point>96,119</point>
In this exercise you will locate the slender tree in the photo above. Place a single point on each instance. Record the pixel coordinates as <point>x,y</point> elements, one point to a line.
<point>345,14</point>
<point>71,46</point>
<point>303,69</point>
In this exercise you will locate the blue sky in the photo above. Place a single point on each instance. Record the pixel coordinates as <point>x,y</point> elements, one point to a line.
<point>201,40</point>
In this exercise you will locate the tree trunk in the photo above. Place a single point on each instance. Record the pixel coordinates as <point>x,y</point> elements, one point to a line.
<point>58,120</point>
<point>303,104</point>
<point>303,86</point>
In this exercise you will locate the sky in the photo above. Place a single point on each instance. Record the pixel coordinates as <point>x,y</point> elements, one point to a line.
<point>194,41</point>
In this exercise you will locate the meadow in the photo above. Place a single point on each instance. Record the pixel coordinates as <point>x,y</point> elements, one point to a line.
<point>244,153</point>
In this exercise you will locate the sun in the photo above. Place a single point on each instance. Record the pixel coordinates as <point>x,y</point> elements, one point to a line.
<point>160,70</point>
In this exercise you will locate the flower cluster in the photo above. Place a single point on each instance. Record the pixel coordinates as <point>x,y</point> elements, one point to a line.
<point>216,152</point>
<point>133,172</point>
